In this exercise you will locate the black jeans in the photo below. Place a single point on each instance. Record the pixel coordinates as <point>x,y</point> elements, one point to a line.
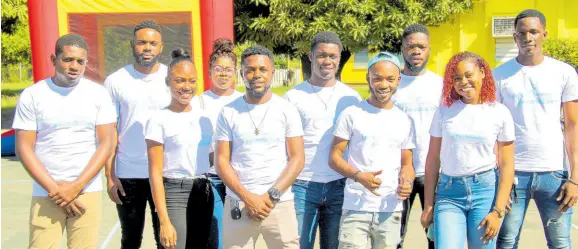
<point>132,213</point>
<point>418,188</point>
<point>190,208</point>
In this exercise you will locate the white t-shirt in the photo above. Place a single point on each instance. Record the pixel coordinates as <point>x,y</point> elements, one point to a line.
<point>65,121</point>
<point>534,95</point>
<point>136,96</point>
<point>182,137</point>
<point>211,105</point>
<point>318,124</point>
<point>259,159</point>
<point>469,134</point>
<point>419,97</point>
<point>376,139</point>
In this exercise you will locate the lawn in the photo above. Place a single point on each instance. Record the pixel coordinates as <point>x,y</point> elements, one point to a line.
<point>10,93</point>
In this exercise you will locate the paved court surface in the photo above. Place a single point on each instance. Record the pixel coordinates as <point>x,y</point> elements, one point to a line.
<point>17,188</point>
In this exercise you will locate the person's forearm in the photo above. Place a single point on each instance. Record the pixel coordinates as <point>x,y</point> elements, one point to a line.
<point>408,172</point>
<point>230,178</point>
<point>339,165</point>
<point>290,173</point>
<point>432,170</point>
<point>158,193</point>
<point>506,180</point>
<point>109,168</point>
<point>35,168</point>
<point>571,134</point>
<point>97,161</point>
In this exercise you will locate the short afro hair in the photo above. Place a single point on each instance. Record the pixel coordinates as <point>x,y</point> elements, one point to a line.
<point>326,37</point>
<point>415,28</point>
<point>530,13</point>
<point>147,24</point>
<point>256,50</point>
<point>69,40</point>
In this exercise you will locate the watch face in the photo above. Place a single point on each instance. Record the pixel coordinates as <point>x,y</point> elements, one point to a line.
<point>275,194</point>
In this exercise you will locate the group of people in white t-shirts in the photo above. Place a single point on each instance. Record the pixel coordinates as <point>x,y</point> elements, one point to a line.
<point>222,168</point>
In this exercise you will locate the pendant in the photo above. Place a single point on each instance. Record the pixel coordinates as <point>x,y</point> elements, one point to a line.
<point>256,131</point>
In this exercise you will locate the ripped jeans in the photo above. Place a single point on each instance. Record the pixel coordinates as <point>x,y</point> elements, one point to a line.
<point>544,188</point>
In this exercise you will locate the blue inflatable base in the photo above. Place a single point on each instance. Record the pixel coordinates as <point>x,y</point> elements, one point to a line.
<point>8,145</point>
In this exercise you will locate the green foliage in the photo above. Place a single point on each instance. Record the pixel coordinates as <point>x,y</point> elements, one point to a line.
<point>288,25</point>
<point>564,49</point>
<point>15,33</point>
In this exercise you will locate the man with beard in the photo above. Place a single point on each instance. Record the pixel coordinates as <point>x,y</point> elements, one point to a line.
<point>535,87</point>
<point>418,95</point>
<point>320,99</point>
<point>259,154</point>
<point>63,126</point>
<point>138,90</point>
<point>380,139</point>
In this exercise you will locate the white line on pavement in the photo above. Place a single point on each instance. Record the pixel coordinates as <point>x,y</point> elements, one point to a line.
<point>109,236</point>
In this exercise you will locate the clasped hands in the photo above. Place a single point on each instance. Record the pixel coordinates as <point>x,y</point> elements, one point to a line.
<point>65,196</point>
<point>371,182</point>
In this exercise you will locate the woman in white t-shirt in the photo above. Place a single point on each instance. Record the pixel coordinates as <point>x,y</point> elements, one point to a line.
<point>470,198</point>
<point>174,137</point>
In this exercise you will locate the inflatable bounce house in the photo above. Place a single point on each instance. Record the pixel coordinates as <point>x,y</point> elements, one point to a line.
<point>107,26</point>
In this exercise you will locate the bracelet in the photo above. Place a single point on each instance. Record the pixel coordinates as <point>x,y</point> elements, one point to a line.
<point>355,175</point>
<point>572,181</point>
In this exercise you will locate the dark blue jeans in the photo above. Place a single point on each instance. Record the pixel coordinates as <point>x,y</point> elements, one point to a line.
<point>190,209</point>
<point>216,238</point>
<point>318,204</point>
<point>132,213</point>
<point>544,188</point>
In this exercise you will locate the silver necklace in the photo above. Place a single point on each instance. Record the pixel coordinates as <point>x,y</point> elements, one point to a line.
<point>319,97</point>
<point>257,132</point>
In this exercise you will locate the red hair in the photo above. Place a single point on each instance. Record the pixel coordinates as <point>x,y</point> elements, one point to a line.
<point>488,91</point>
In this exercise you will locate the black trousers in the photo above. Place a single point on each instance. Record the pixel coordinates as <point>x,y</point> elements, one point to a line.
<point>190,208</point>
<point>132,213</point>
<point>418,188</point>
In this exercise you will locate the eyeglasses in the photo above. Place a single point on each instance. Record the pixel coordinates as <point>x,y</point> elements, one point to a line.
<point>226,70</point>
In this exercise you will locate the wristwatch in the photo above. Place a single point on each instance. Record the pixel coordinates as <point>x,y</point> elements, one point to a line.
<point>501,213</point>
<point>274,194</point>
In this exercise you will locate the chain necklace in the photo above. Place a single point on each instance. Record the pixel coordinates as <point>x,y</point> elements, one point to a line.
<point>319,97</point>
<point>251,117</point>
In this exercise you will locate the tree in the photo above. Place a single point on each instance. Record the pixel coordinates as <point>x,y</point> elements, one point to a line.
<point>564,49</point>
<point>286,26</point>
<point>15,33</point>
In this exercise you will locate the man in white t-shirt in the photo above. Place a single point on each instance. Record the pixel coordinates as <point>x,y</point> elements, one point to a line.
<point>63,138</point>
<point>534,87</point>
<point>418,95</point>
<point>380,138</point>
<point>259,153</point>
<point>320,99</point>
<point>138,90</point>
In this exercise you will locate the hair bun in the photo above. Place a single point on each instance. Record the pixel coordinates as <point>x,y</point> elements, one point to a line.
<point>223,45</point>
<point>179,52</point>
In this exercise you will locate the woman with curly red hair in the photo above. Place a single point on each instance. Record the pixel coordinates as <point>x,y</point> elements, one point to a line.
<point>470,201</point>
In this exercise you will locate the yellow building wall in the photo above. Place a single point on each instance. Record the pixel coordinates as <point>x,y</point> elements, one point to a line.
<point>472,32</point>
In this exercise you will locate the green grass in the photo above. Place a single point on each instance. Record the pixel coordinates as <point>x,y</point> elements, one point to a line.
<point>11,91</point>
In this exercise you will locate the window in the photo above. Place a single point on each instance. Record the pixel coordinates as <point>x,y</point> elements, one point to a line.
<point>361,59</point>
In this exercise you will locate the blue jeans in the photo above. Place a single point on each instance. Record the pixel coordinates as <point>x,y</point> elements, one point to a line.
<point>216,238</point>
<point>544,188</point>
<point>460,206</point>
<point>318,204</point>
